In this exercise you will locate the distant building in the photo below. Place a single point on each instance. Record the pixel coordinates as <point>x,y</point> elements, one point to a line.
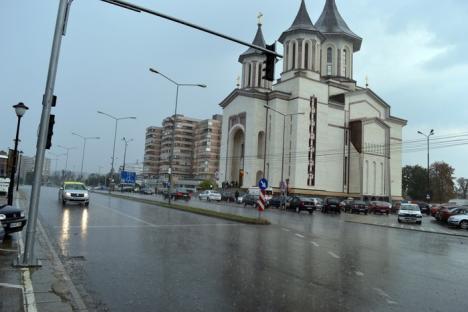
<point>3,164</point>
<point>28,164</point>
<point>196,149</point>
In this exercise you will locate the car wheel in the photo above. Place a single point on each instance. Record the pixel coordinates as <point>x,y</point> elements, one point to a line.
<point>399,221</point>
<point>64,202</point>
<point>464,225</point>
<point>419,222</point>
<point>311,211</point>
<point>365,213</point>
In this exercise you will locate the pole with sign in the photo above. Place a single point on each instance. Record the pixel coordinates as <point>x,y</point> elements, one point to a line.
<point>261,202</point>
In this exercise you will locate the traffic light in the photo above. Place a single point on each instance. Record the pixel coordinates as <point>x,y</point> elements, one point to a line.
<point>50,131</point>
<point>269,64</point>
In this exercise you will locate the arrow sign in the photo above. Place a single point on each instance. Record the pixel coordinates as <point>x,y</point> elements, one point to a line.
<point>263,184</point>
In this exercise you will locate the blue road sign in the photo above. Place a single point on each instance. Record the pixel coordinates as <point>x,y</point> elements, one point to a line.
<point>128,177</point>
<point>263,184</point>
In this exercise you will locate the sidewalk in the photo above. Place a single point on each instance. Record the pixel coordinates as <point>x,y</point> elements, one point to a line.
<point>44,289</point>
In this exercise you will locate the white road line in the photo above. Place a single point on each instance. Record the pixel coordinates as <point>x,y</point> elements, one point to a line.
<point>391,301</point>
<point>125,215</point>
<point>145,226</point>
<point>8,285</point>
<point>29,299</point>
<point>359,273</point>
<point>286,230</point>
<point>334,255</point>
<point>381,292</point>
<point>315,244</point>
<point>299,235</point>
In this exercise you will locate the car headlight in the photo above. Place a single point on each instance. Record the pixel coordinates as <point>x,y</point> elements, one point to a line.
<point>68,194</point>
<point>86,195</point>
<point>22,214</point>
<point>2,217</point>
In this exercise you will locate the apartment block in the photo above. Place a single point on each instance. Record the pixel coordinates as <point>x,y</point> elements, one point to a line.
<point>152,152</point>
<point>207,148</point>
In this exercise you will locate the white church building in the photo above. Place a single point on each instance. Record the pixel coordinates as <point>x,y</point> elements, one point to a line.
<point>314,128</point>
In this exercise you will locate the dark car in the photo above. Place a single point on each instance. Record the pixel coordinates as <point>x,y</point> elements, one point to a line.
<point>355,206</point>
<point>250,200</point>
<point>424,207</point>
<point>380,207</point>
<point>178,195</point>
<point>446,212</point>
<point>13,219</point>
<point>275,202</point>
<point>228,196</point>
<point>331,205</point>
<point>299,204</point>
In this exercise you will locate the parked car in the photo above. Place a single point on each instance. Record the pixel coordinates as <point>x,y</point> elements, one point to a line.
<point>425,207</point>
<point>228,196</point>
<point>75,192</point>
<point>434,209</point>
<point>275,201</point>
<point>177,195</point>
<point>240,198</point>
<point>410,213</point>
<point>147,191</point>
<point>209,195</point>
<point>331,205</point>
<point>250,200</point>
<point>299,204</point>
<point>459,220</point>
<point>355,206</point>
<point>380,207</point>
<point>12,219</point>
<point>446,212</point>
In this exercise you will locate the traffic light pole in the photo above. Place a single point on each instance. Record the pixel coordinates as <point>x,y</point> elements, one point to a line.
<point>28,258</point>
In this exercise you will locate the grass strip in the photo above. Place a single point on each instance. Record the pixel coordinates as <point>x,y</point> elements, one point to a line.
<point>200,211</point>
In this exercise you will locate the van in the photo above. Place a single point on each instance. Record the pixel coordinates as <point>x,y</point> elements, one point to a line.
<point>459,202</point>
<point>255,190</point>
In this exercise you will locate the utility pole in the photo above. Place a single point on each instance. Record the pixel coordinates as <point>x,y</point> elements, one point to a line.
<point>126,141</point>
<point>428,137</point>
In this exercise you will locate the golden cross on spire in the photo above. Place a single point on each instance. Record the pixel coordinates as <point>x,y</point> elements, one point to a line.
<point>260,18</point>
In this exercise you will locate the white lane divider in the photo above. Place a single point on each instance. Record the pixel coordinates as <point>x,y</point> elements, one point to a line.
<point>286,230</point>
<point>334,255</point>
<point>385,295</point>
<point>315,244</point>
<point>299,235</point>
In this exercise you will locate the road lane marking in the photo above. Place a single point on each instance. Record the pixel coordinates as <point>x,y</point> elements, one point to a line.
<point>334,255</point>
<point>145,226</point>
<point>286,230</point>
<point>299,235</point>
<point>315,244</point>
<point>391,301</point>
<point>359,273</point>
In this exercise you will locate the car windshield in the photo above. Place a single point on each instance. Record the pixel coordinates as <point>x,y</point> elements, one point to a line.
<point>74,186</point>
<point>410,207</point>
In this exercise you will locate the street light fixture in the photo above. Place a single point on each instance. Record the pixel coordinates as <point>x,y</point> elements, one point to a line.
<point>178,85</point>
<point>126,141</point>
<point>20,110</point>
<point>85,139</point>
<point>283,185</point>
<point>68,149</point>
<point>428,136</point>
<point>116,119</point>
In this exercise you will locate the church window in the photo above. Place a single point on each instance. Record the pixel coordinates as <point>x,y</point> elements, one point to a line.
<point>375,178</point>
<point>261,145</point>
<point>306,56</point>
<point>294,52</point>
<point>250,76</point>
<point>381,179</point>
<point>259,76</point>
<point>367,177</point>
<point>329,61</point>
<point>344,63</point>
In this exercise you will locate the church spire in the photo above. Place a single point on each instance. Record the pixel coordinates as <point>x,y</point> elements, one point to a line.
<point>331,22</point>
<point>301,22</point>
<point>259,40</point>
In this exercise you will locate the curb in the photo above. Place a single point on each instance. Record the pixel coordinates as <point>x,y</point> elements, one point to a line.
<point>407,229</point>
<point>199,211</point>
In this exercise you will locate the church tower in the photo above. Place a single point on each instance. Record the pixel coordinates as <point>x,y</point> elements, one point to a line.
<point>340,44</point>
<point>252,64</point>
<point>302,44</point>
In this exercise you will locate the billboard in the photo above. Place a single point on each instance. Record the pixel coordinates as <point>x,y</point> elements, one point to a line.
<point>127,177</point>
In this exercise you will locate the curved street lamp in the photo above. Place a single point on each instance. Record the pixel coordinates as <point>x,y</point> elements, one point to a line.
<point>428,136</point>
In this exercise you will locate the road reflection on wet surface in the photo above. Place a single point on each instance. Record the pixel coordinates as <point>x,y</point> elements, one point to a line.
<point>126,255</point>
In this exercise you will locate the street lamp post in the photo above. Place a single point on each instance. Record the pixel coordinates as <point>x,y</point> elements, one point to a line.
<point>428,136</point>
<point>282,153</point>
<point>68,149</point>
<point>116,119</point>
<point>85,139</point>
<point>174,122</point>
<point>19,170</point>
<point>126,141</point>
<point>20,110</point>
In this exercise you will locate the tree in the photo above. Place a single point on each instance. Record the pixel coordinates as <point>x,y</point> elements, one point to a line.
<point>442,185</point>
<point>463,187</point>
<point>207,185</point>
<point>414,182</point>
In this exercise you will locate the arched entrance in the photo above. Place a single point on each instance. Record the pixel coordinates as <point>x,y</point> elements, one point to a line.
<point>236,155</point>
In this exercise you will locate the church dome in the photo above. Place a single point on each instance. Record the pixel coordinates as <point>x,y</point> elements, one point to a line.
<point>331,23</point>
<point>302,23</point>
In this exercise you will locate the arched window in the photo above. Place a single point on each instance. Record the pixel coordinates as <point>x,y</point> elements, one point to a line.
<point>286,58</point>
<point>261,145</point>
<point>249,78</point>
<point>382,185</point>
<point>260,74</point>
<point>329,61</point>
<point>344,67</point>
<point>294,52</point>
<point>367,177</point>
<point>375,178</point>
<point>306,56</point>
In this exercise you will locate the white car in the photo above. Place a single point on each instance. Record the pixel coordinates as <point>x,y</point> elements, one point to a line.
<point>410,213</point>
<point>460,220</point>
<point>209,196</point>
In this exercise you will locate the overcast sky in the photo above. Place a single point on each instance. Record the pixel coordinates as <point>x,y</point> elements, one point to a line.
<point>413,52</point>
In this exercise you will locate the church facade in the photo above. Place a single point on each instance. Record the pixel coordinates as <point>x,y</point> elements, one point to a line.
<point>314,131</point>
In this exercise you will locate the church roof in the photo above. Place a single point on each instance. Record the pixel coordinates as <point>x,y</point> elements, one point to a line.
<point>301,22</point>
<point>331,23</point>
<point>259,40</point>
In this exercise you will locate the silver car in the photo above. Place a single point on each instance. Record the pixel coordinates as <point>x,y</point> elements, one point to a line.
<point>74,192</point>
<point>460,220</point>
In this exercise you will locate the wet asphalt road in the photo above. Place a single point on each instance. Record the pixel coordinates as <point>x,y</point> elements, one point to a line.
<point>129,256</point>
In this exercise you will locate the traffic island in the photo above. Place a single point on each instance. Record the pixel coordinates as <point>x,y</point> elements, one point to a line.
<point>200,211</point>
